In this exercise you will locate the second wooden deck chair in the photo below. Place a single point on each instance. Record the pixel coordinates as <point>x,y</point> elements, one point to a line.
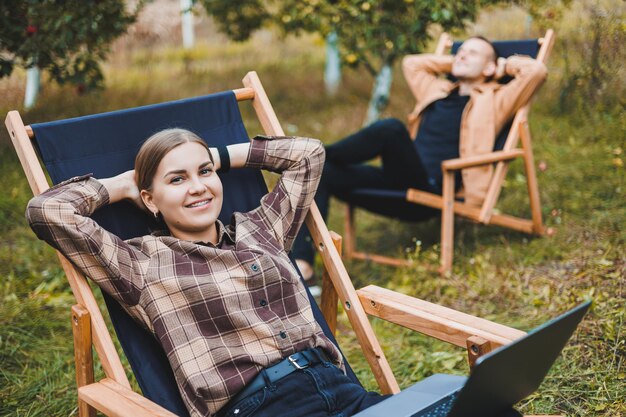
<point>507,145</point>
<point>106,144</point>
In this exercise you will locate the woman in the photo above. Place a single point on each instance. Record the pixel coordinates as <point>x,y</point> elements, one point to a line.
<point>225,302</point>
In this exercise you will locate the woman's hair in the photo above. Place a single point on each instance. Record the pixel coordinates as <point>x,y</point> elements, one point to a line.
<point>154,150</point>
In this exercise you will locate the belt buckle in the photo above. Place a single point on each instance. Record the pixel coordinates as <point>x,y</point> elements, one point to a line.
<point>294,362</point>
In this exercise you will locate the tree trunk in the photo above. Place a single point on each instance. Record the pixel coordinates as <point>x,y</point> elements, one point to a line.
<point>380,94</point>
<point>32,87</point>
<point>187,23</point>
<point>332,70</point>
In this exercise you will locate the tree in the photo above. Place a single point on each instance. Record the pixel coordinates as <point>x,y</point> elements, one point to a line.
<point>65,38</point>
<point>332,69</point>
<point>237,19</point>
<point>186,10</point>
<point>372,33</point>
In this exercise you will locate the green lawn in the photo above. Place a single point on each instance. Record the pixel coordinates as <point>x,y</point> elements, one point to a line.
<point>501,275</point>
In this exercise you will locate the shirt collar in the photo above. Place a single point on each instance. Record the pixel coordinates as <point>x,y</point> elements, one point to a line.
<point>480,88</point>
<point>222,234</point>
<point>484,87</point>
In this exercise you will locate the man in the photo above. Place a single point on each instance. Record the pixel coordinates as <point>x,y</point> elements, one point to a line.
<point>450,119</point>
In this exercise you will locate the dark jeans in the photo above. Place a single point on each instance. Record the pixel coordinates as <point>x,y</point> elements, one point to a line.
<point>345,171</point>
<point>321,390</point>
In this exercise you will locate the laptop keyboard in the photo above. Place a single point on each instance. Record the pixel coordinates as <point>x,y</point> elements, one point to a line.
<point>438,409</point>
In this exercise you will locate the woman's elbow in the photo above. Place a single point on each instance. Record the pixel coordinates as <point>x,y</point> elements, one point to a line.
<point>318,152</point>
<point>315,154</point>
<point>318,148</point>
<point>35,214</point>
<point>44,213</point>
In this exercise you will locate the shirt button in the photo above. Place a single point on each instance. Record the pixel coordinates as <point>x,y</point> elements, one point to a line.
<point>263,303</point>
<point>254,267</point>
<point>283,335</point>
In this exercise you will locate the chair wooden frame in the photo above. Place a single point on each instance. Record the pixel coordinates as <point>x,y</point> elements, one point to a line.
<point>113,395</point>
<point>484,214</point>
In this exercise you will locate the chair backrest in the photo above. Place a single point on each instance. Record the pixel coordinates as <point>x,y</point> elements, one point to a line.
<point>105,145</point>
<point>505,49</point>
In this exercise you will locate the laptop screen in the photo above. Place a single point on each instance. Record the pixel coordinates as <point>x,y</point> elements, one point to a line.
<point>510,373</point>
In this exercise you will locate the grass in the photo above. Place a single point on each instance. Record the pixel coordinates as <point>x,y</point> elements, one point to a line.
<point>498,274</point>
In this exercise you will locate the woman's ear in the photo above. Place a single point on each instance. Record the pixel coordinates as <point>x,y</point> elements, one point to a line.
<point>148,201</point>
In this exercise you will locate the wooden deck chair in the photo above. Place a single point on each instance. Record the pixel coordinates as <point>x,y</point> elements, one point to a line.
<point>105,144</point>
<point>507,141</point>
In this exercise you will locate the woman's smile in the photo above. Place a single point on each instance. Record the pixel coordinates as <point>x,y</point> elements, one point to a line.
<point>200,203</point>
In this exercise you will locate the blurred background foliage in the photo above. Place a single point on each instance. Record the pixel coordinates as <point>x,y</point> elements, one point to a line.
<point>592,34</point>
<point>68,39</point>
<point>372,33</point>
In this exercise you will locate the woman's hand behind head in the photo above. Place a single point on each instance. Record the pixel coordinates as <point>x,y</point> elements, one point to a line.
<point>123,187</point>
<point>132,191</point>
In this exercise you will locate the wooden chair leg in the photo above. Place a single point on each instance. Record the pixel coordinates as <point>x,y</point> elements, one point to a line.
<point>81,329</point>
<point>447,222</point>
<point>350,251</point>
<point>330,298</point>
<point>349,232</point>
<point>533,187</point>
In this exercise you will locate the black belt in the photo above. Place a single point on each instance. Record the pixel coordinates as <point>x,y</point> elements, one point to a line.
<point>297,361</point>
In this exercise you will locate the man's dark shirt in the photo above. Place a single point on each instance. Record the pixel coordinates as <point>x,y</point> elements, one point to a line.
<point>438,136</point>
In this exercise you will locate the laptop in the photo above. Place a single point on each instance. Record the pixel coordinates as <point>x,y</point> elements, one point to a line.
<point>498,380</point>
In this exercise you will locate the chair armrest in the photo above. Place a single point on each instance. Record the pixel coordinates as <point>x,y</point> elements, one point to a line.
<point>433,320</point>
<point>484,159</point>
<point>114,400</point>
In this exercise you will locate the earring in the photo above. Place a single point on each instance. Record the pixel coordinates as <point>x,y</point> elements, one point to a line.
<point>156,215</point>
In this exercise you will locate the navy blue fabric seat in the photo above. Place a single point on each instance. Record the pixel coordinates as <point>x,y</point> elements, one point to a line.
<point>505,49</point>
<point>105,145</point>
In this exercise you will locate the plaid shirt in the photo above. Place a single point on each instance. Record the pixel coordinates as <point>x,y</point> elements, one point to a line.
<point>221,312</point>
